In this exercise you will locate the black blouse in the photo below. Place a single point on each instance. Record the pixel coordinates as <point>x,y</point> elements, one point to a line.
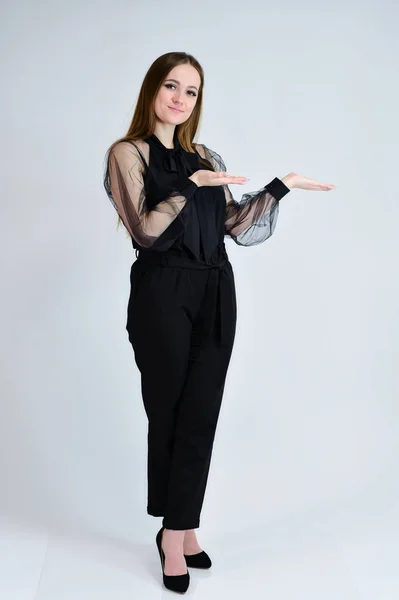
<point>161,208</point>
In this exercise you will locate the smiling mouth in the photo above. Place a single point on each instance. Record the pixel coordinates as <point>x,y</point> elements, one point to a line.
<point>175,109</point>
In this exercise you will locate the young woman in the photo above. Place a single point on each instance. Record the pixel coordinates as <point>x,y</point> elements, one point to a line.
<point>173,198</point>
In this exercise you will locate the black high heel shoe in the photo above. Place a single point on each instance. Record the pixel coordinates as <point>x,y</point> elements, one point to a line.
<point>176,583</point>
<point>200,560</point>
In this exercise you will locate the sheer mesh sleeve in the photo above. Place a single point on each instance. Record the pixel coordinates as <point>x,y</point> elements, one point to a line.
<point>252,220</point>
<point>156,228</point>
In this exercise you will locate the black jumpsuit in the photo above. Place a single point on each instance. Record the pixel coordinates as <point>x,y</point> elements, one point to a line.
<point>181,314</point>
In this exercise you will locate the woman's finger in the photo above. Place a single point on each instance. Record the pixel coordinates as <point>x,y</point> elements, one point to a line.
<point>310,184</point>
<point>325,186</point>
<point>224,175</point>
<point>234,179</point>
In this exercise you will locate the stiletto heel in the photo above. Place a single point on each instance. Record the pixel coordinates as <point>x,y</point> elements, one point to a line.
<point>176,583</point>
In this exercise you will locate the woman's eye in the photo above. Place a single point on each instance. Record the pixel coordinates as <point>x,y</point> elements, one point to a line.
<point>169,85</point>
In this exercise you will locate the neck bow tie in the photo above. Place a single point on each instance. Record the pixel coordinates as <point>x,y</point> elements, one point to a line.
<point>176,159</point>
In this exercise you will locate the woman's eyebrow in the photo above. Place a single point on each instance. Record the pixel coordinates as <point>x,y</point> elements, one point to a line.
<point>175,81</point>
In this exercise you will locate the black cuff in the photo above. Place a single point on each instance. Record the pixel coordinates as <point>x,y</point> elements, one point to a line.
<point>188,189</point>
<point>277,188</point>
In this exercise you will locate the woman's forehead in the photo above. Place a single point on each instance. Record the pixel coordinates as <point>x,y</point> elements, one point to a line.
<point>185,75</point>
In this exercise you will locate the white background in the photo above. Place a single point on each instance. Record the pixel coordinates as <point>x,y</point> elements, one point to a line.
<point>309,420</point>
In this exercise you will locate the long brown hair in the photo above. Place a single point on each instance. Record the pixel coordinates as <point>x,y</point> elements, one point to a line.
<point>144,118</point>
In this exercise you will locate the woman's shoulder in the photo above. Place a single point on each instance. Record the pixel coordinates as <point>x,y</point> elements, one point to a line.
<point>137,147</point>
<point>211,156</point>
<point>201,149</point>
<point>205,152</point>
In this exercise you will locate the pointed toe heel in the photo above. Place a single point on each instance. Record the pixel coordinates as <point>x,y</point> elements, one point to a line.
<point>198,561</point>
<point>175,583</point>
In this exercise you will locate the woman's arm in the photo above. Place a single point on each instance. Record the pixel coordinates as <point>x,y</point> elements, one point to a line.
<point>253,219</point>
<point>156,228</point>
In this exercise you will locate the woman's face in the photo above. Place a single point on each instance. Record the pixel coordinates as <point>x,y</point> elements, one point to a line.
<point>179,91</point>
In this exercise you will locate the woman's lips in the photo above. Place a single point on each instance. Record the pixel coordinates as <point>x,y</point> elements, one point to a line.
<point>175,109</point>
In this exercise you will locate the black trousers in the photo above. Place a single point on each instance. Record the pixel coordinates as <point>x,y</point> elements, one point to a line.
<point>181,322</point>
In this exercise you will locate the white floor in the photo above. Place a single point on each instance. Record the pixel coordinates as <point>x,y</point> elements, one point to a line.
<point>344,557</point>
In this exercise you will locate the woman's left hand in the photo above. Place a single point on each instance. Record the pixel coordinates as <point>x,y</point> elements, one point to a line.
<point>293,180</point>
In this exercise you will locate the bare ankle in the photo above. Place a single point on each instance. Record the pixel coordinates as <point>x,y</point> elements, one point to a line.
<point>174,533</point>
<point>172,539</point>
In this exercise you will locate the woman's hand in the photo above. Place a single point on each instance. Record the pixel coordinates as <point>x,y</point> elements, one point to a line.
<point>205,177</point>
<point>292,180</point>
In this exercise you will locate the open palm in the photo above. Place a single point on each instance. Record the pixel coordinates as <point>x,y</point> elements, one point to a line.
<point>305,183</point>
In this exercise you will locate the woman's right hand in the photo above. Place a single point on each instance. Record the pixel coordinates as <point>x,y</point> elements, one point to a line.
<point>203,177</point>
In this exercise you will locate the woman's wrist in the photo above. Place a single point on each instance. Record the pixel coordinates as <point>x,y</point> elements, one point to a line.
<point>194,179</point>
<point>289,180</point>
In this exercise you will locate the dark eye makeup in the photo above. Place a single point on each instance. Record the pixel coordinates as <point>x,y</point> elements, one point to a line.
<point>168,85</point>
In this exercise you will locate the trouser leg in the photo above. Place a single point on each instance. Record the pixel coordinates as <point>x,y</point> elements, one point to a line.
<point>195,429</point>
<point>161,343</point>
<point>198,413</point>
